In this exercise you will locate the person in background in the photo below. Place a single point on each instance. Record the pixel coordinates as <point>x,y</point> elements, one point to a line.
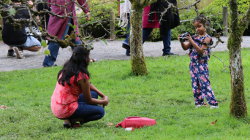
<point>159,15</point>
<point>124,12</point>
<point>14,34</point>
<point>60,26</point>
<point>199,53</point>
<point>75,99</point>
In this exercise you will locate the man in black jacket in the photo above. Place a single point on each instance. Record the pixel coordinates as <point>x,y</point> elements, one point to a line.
<point>168,16</point>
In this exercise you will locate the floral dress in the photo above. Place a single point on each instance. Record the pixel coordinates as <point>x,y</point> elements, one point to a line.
<point>200,75</point>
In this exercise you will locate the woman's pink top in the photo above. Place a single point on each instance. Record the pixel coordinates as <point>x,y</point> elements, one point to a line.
<point>64,99</point>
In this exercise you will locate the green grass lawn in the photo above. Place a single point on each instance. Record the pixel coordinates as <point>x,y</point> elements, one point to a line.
<point>164,94</point>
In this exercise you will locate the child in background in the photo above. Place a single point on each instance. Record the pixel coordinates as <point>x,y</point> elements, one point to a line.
<point>198,46</point>
<point>75,98</point>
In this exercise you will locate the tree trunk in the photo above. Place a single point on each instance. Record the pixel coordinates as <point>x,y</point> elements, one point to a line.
<point>238,106</point>
<point>136,50</point>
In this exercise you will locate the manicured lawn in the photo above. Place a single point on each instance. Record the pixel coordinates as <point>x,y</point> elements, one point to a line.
<point>164,94</point>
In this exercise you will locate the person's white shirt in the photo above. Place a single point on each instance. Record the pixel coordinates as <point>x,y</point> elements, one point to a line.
<point>125,8</point>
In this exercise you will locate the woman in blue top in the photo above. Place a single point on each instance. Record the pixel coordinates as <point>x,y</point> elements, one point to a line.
<point>198,46</point>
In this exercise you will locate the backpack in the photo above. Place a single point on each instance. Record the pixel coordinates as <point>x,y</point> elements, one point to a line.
<point>168,20</point>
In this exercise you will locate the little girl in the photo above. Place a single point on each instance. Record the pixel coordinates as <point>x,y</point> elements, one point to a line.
<point>198,46</point>
<point>75,98</point>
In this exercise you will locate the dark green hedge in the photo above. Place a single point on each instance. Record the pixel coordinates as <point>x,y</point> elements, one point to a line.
<point>99,25</point>
<point>214,13</point>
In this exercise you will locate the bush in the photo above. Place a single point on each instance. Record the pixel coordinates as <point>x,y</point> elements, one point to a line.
<point>155,35</point>
<point>99,25</point>
<point>214,13</point>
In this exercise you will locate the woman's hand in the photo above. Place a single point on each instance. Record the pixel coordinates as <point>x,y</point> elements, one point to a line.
<point>88,16</point>
<point>30,3</point>
<point>106,100</point>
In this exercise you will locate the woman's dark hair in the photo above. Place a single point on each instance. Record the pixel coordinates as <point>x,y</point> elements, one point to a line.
<point>78,62</point>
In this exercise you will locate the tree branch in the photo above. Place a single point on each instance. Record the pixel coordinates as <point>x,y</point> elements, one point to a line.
<point>190,6</point>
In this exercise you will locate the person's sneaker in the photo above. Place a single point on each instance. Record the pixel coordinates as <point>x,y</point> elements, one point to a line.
<point>167,54</point>
<point>214,106</point>
<point>197,106</point>
<point>125,46</point>
<point>19,53</point>
<point>92,60</point>
<point>11,53</point>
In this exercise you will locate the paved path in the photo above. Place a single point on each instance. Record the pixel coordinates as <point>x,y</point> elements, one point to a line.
<point>110,51</point>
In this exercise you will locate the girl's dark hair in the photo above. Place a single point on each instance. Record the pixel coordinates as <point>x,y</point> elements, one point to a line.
<point>78,62</point>
<point>202,19</point>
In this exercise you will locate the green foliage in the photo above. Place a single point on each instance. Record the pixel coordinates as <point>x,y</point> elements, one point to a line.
<point>214,13</point>
<point>43,43</point>
<point>155,35</point>
<point>165,94</point>
<point>6,1</point>
<point>12,11</point>
<point>46,52</point>
<point>99,25</point>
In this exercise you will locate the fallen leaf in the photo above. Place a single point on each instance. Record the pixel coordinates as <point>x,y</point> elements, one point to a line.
<point>110,124</point>
<point>213,123</point>
<point>3,107</point>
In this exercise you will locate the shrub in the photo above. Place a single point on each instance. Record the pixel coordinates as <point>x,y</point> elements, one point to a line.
<point>99,25</point>
<point>214,13</point>
<point>155,35</point>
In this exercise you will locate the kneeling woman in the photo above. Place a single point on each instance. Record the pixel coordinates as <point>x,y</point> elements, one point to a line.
<point>75,98</point>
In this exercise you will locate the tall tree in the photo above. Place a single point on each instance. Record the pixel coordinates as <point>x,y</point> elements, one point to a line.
<point>238,106</point>
<point>137,56</point>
